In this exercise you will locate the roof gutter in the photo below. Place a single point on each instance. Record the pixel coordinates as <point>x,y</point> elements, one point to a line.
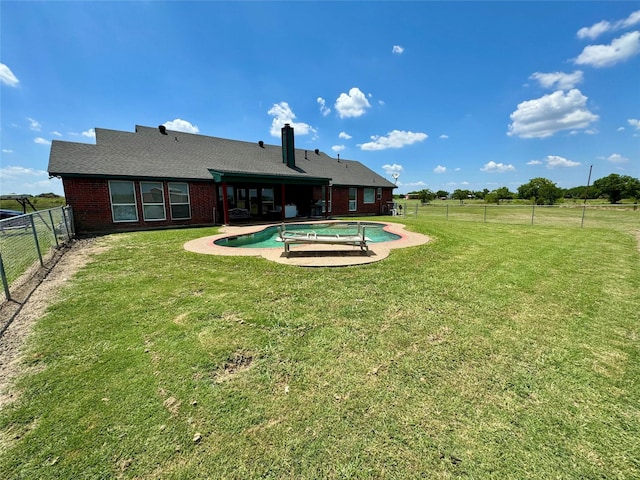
<point>229,177</point>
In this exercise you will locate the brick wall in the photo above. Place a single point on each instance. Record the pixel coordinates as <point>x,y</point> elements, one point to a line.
<point>340,202</point>
<point>91,203</point>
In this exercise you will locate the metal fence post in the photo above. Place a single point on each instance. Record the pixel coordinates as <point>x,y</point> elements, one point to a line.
<point>5,282</point>
<point>67,222</point>
<point>485,214</point>
<point>447,212</point>
<point>533,211</point>
<point>53,228</point>
<point>35,238</point>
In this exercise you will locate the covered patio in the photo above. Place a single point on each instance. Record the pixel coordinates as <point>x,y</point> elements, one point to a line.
<point>243,198</point>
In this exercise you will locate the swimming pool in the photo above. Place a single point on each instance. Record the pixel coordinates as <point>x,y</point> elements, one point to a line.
<point>268,238</point>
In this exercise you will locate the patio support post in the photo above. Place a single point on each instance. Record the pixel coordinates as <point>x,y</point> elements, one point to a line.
<point>225,204</point>
<point>327,195</point>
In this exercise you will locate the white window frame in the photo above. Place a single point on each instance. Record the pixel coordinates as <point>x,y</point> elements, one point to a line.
<point>172,203</point>
<point>353,203</point>
<point>379,193</point>
<point>116,206</point>
<point>325,189</point>
<point>372,195</point>
<point>153,204</point>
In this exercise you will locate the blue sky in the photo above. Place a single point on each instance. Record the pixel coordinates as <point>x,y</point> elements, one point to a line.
<point>450,95</point>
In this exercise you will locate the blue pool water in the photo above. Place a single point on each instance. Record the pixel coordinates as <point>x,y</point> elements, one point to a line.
<point>267,238</point>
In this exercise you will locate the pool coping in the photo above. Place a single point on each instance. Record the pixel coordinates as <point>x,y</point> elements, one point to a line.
<point>309,255</point>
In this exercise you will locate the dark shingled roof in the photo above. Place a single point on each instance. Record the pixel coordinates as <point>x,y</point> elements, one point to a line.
<point>146,153</point>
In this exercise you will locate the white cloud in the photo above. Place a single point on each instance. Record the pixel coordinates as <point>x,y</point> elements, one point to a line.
<point>56,133</point>
<point>558,80</point>
<point>397,49</point>
<point>324,110</point>
<point>635,123</point>
<point>419,183</point>
<point>440,169</point>
<point>493,167</point>
<point>91,133</point>
<point>338,148</point>
<point>394,139</point>
<point>617,158</point>
<point>282,114</point>
<point>631,20</point>
<point>391,169</point>
<point>594,30</point>
<point>554,161</point>
<point>621,129</point>
<point>543,117</point>
<point>17,179</point>
<point>7,150</point>
<point>619,50</point>
<point>41,141</point>
<point>534,162</point>
<point>353,104</point>
<point>7,77</point>
<point>344,135</point>
<point>34,125</point>
<point>604,26</point>
<point>443,136</point>
<point>178,125</point>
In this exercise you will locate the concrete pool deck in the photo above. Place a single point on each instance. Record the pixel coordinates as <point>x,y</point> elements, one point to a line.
<point>309,255</point>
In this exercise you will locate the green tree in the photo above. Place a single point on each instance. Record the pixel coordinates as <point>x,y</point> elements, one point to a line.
<point>461,195</point>
<point>498,194</point>
<point>540,190</point>
<point>480,194</point>
<point>442,193</point>
<point>616,187</point>
<point>426,195</point>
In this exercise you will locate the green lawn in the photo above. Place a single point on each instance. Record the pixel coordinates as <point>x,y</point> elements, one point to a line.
<point>495,351</point>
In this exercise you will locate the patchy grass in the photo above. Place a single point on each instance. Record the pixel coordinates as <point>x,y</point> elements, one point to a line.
<point>496,351</point>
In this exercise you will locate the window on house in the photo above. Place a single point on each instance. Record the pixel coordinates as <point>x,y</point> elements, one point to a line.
<point>179,200</point>
<point>353,202</point>
<point>379,193</point>
<point>268,200</point>
<point>369,195</point>
<point>152,200</point>
<point>123,201</point>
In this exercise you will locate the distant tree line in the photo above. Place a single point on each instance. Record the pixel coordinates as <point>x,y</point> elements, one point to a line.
<point>542,191</point>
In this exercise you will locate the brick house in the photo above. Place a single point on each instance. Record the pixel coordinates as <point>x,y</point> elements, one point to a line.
<point>154,177</point>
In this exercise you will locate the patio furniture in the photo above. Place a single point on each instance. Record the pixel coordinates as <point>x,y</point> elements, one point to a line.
<point>289,238</point>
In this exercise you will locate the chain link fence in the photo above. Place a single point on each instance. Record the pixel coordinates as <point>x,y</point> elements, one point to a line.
<point>568,214</point>
<point>27,241</point>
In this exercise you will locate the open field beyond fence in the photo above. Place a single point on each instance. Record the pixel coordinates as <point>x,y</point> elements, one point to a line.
<point>590,215</point>
<point>497,350</point>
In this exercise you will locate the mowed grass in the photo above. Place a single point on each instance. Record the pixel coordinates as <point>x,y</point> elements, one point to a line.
<point>495,351</point>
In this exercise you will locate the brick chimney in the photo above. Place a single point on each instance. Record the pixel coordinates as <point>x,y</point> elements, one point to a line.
<point>288,147</point>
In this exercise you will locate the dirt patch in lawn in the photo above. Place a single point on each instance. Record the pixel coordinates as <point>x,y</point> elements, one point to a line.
<point>30,298</point>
